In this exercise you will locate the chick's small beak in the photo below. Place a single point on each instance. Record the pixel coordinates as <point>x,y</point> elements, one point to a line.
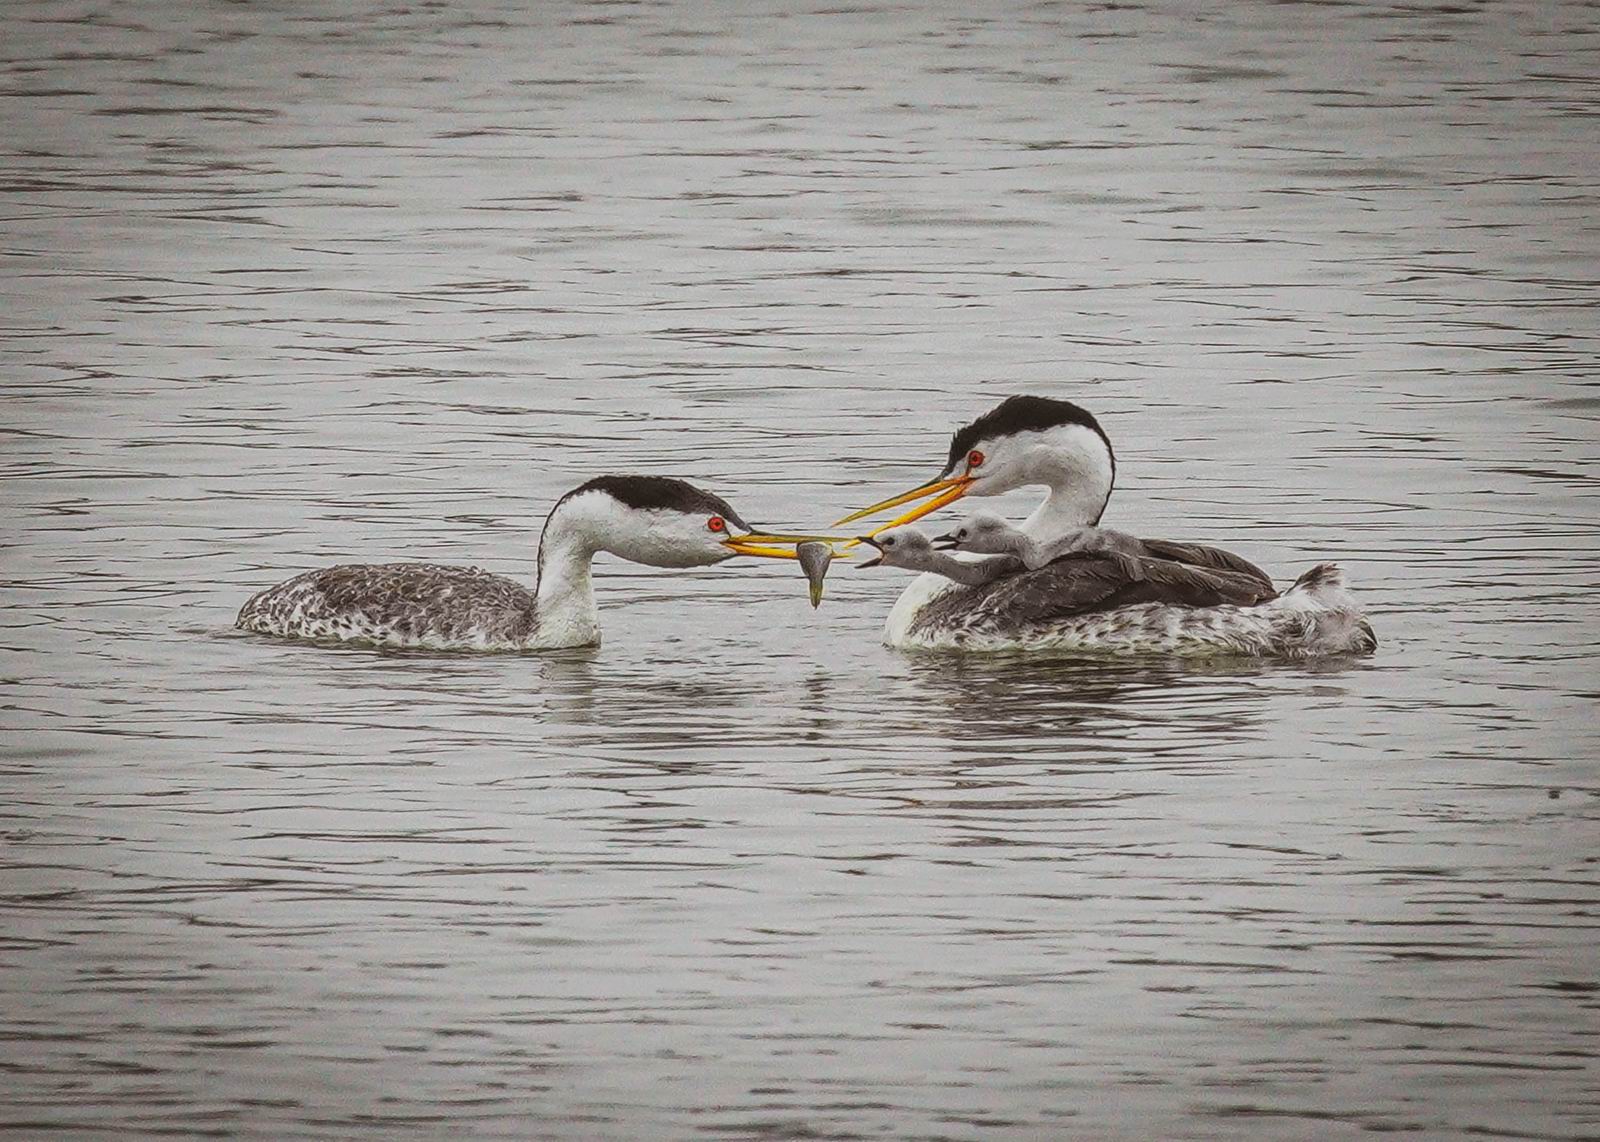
<point>945,542</point>
<point>877,559</point>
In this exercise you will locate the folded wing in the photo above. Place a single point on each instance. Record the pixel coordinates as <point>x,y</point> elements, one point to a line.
<point>1083,583</point>
<point>1207,558</point>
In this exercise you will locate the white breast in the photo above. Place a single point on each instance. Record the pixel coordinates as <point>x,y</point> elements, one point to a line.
<point>1314,617</point>
<point>923,590</point>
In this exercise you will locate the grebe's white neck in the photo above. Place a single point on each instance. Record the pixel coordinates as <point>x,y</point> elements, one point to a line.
<point>1076,465</point>
<point>1065,509</point>
<point>669,525</point>
<point>566,611</point>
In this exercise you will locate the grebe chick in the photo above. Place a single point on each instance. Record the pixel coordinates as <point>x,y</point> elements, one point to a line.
<point>984,533</point>
<point>913,550</point>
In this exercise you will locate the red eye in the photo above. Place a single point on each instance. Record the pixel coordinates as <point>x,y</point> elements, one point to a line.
<point>974,459</point>
<point>717,523</point>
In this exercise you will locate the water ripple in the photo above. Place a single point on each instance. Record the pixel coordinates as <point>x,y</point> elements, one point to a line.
<point>289,288</point>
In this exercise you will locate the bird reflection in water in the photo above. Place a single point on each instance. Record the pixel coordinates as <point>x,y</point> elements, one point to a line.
<point>1024,705</point>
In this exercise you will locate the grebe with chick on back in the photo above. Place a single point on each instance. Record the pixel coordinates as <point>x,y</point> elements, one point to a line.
<point>1109,594</point>
<point>1104,601</point>
<point>658,521</point>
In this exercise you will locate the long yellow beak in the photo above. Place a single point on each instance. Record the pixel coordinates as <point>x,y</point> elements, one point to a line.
<point>942,491</point>
<point>758,543</point>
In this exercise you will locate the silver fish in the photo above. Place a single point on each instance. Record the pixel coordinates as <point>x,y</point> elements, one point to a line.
<point>814,558</point>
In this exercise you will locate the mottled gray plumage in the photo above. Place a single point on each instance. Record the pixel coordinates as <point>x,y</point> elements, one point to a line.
<point>1088,603</point>
<point>987,533</point>
<point>1082,583</point>
<point>1200,555</point>
<point>1110,601</point>
<point>397,604</point>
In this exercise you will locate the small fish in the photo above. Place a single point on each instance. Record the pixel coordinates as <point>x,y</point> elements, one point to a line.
<point>814,558</point>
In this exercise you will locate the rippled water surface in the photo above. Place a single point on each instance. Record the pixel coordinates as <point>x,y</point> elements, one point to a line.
<point>287,285</point>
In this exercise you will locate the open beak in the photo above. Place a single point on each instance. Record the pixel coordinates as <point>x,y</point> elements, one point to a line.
<point>945,542</point>
<point>759,543</point>
<point>877,559</point>
<point>937,493</point>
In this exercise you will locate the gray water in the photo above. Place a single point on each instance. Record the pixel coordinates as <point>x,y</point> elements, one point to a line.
<point>338,282</point>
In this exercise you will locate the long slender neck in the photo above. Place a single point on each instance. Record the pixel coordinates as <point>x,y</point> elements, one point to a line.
<point>1077,467</point>
<point>970,572</point>
<point>566,614</point>
<point>1033,551</point>
<point>1036,551</point>
<point>1066,507</point>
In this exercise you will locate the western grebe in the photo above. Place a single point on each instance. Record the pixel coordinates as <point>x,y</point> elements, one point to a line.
<point>1111,602</point>
<point>1175,597</point>
<point>654,520</point>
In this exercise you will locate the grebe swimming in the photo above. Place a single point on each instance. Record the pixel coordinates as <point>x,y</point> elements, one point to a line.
<point>1121,594</point>
<point>1106,601</point>
<point>654,520</point>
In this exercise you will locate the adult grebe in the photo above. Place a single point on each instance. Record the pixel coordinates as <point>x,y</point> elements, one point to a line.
<point>655,520</point>
<point>1107,601</point>
<point>1164,588</point>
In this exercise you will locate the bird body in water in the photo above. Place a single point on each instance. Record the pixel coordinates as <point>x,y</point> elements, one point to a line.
<point>1087,601</point>
<point>654,520</point>
<point>1105,591</point>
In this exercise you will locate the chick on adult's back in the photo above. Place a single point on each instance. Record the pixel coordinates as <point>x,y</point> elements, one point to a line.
<point>1088,587</point>
<point>1109,602</point>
